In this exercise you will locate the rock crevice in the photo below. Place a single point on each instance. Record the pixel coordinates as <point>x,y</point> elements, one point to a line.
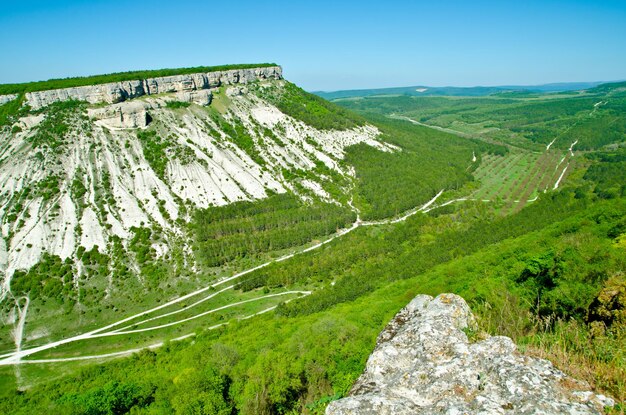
<point>424,363</point>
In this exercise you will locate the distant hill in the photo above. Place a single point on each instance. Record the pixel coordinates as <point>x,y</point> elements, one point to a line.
<point>610,87</point>
<point>456,91</point>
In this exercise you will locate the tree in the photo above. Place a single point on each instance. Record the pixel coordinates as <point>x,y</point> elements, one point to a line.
<point>541,274</point>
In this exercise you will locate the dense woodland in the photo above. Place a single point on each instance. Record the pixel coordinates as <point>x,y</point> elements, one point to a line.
<point>241,229</point>
<point>391,183</point>
<point>534,275</point>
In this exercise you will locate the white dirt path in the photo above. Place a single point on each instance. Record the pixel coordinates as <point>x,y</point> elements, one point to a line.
<point>17,356</point>
<point>174,323</point>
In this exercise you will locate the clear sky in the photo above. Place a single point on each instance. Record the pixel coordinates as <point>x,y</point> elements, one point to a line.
<point>322,45</point>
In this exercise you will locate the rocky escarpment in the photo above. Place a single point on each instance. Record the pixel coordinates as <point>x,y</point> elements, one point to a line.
<point>115,92</point>
<point>104,175</point>
<point>98,201</point>
<point>424,364</point>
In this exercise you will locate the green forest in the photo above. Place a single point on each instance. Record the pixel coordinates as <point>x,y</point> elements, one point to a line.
<point>242,229</point>
<point>594,118</point>
<point>535,276</point>
<point>547,271</point>
<point>391,183</point>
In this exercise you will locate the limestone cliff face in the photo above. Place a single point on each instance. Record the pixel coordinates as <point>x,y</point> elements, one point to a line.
<point>424,364</point>
<point>103,185</point>
<point>6,98</point>
<point>115,92</point>
<point>143,167</point>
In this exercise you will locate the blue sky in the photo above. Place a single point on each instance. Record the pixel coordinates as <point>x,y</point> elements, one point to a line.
<point>322,45</point>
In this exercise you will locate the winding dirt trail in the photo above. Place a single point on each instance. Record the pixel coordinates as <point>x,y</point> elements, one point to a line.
<point>434,127</point>
<point>204,313</point>
<point>18,332</point>
<point>17,356</point>
<point>558,181</point>
<point>175,311</point>
<point>571,152</point>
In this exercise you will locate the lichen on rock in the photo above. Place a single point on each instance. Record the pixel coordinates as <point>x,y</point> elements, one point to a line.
<point>424,363</point>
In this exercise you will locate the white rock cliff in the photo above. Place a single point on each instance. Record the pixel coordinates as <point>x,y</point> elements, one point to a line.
<point>424,364</point>
<point>115,92</point>
<point>103,154</point>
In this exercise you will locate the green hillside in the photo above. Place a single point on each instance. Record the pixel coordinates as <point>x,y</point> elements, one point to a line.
<point>564,246</point>
<point>291,291</point>
<point>593,118</point>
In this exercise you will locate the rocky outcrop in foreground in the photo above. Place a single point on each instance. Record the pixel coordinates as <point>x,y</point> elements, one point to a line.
<point>424,364</point>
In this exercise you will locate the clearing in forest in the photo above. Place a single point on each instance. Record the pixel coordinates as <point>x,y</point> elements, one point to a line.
<point>517,178</point>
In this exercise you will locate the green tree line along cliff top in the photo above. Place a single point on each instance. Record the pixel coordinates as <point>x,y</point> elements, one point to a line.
<point>118,77</point>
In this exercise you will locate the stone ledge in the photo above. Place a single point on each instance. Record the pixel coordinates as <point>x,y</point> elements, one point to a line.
<point>115,92</point>
<point>424,363</point>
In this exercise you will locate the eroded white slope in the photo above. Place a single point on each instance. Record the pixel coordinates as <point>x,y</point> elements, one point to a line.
<point>105,186</point>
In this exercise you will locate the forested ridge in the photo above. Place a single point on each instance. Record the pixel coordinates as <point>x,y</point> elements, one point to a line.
<point>593,118</point>
<point>391,183</point>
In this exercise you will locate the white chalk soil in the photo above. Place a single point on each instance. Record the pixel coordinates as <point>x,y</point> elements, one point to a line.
<point>122,189</point>
<point>99,185</point>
